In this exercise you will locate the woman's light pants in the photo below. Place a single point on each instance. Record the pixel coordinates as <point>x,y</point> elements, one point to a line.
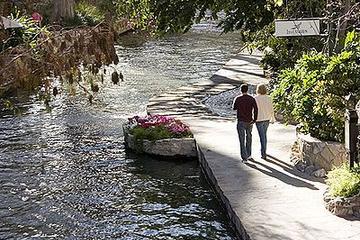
<point>262,130</point>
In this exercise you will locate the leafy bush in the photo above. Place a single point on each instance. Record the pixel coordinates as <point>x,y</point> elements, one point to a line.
<point>156,127</point>
<point>154,133</point>
<point>313,92</point>
<point>279,53</point>
<point>87,14</point>
<point>28,34</point>
<point>344,182</point>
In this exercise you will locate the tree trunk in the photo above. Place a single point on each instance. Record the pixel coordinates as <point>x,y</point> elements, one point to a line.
<point>342,25</point>
<point>63,9</point>
<point>5,8</point>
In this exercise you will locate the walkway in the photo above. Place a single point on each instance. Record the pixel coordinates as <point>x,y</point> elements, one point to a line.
<point>265,199</point>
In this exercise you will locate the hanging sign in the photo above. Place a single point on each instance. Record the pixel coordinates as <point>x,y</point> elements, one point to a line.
<point>297,28</point>
<point>8,23</point>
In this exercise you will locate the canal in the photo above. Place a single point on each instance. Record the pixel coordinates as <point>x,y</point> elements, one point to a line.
<point>64,173</point>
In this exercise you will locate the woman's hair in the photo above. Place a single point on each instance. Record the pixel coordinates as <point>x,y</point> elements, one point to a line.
<point>261,89</point>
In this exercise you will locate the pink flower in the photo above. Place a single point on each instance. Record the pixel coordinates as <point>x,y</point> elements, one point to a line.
<point>36,17</point>
<point>176,127</point>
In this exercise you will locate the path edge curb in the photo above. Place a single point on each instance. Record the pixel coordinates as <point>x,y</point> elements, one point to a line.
<point>235,220</point>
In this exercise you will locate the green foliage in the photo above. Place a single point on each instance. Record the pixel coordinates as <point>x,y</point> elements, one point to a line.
<point>152,134</point>
<point>344,182</point>
<point>279,53</point>
<point>284,52</point>
<point>313,92</point>
<point>155,133</point>
<point>88,14</point>
<point>28,34</point>
<point>106,6</point>
<point>137,12</point>
<point>278,2</point>
<point>179,15</point>
<point>302,9</point>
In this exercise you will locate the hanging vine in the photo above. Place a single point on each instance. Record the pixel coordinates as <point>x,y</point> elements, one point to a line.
<point>63,55</point>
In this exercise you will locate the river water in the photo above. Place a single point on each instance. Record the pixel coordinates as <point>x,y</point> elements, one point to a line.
<point>64,173</point>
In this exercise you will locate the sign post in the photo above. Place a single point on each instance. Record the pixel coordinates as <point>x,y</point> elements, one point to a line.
<point>351,135</point>
<point>297,27</point>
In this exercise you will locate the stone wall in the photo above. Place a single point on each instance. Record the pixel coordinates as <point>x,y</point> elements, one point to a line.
<point>173,147</point>
<point>343,207</point>
<point>320,154</point>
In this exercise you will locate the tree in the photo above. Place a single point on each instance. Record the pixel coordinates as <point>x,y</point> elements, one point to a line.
<point>179,15</point>
<point>41,56</point>
<point>63,9</point>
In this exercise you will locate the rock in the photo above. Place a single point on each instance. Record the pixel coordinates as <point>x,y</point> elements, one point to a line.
<point>172,147</point>
<point>294,159</point>
<point>301,166</point>
<point>343,207</point>
<point>327,197</point>
<point>321,154</point>
<point>320,173</point>
<point>342,211</point>
<point>309,169</point>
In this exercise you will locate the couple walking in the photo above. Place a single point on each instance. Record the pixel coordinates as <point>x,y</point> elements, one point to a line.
<point>250,110</point>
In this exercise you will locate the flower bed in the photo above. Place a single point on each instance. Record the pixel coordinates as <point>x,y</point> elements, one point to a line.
<point>159,135</point>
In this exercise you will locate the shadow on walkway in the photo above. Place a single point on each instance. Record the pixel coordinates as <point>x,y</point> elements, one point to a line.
<point>251,59</point>
<point>247,72</point>
<point>288,179</point>
<point>291,169</point>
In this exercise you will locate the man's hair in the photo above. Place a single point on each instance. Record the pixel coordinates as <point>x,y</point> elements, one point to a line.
<point>244,88</point>
<point>261,89</point>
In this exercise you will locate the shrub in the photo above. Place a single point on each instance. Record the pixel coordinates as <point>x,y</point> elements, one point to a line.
<point>313,92</point>
<point>87,14</point>
<point>156,127</point>
<point>28,34</point>
<point>279,53</point>
<point>344,182</point>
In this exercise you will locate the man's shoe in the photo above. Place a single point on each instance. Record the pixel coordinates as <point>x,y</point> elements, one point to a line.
<point>263,157</point>
<point>244,160</point>
<point>250,158</point>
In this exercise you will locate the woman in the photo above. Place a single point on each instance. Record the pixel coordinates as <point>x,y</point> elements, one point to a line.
<point>265,116</point>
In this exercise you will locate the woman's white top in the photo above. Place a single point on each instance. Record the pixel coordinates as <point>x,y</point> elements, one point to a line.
<point>265,108</point>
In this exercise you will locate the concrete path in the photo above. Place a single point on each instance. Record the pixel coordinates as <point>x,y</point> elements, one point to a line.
<point>264,199</point>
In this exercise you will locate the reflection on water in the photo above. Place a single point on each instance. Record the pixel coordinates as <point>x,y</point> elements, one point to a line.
<point>65,173</point>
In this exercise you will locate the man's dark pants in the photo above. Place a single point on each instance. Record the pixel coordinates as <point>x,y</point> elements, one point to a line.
<point>245,137</point>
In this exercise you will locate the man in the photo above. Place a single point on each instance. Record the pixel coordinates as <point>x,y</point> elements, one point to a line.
<point>247,111</point>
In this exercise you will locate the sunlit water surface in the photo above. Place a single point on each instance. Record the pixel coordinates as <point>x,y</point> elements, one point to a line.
<point>65,174</point>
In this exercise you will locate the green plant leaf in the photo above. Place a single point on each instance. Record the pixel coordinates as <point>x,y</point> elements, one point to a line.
<point>278,3</point>
<point>349,38</point>
<point>344,182</point>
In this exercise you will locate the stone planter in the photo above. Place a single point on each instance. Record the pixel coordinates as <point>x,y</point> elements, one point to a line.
<point>319,154</point>
<point>172,147</point>
<point>343,207</point>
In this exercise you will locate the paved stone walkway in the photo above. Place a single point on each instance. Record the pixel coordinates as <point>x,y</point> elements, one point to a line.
<point>264,199</point>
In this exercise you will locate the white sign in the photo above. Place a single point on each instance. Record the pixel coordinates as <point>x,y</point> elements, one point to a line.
<point>297,28</point>
<point>7,23</point>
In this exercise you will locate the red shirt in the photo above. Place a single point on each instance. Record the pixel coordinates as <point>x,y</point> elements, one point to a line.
<point>247,110</point>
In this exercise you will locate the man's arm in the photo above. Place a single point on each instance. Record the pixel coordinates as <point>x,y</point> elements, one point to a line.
<point>234,105</point>
<point>255,110</point>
